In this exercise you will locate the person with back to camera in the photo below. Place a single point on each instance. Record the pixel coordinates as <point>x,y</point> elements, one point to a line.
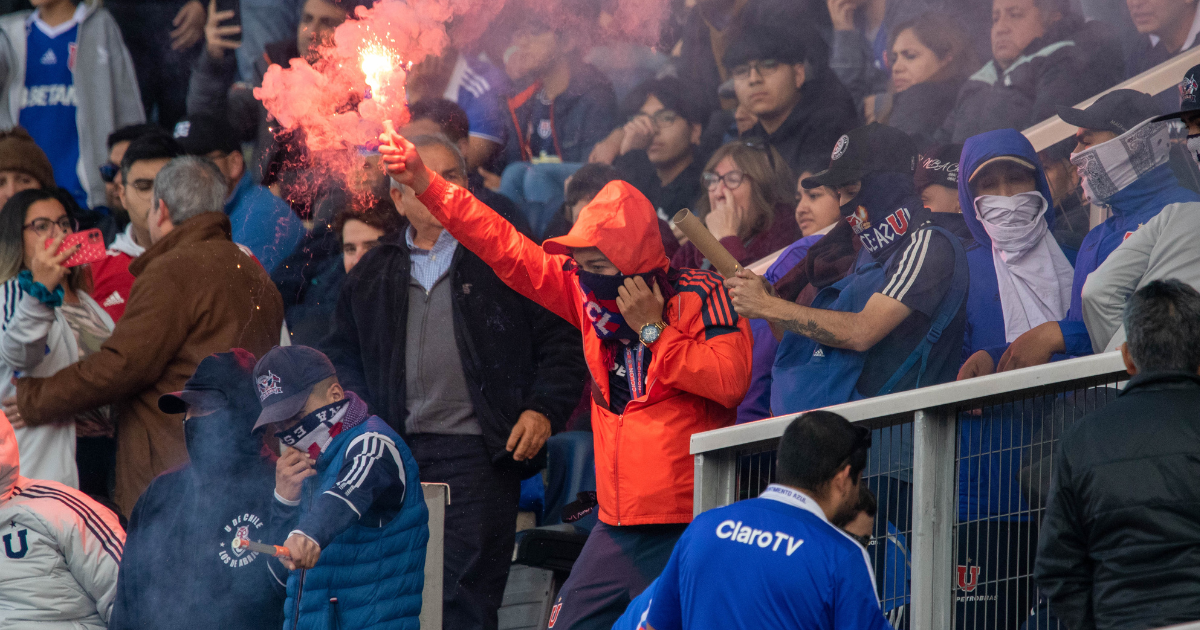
<point>667,356</point>
<point>347,488</point>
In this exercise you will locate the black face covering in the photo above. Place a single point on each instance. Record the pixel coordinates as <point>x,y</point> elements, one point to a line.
<point>881,212</point>
<point>216,445</point>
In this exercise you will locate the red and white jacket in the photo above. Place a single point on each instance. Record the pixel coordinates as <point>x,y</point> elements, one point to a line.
<point>111,280</point>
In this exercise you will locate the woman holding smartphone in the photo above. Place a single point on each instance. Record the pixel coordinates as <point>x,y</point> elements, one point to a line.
<point>49,322</point>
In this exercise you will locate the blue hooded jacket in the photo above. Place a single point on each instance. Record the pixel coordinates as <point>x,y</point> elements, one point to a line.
<point>1131,207</point>
<point>985,316</point>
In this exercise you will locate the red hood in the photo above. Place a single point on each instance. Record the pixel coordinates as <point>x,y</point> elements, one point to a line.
<point>622,223</point>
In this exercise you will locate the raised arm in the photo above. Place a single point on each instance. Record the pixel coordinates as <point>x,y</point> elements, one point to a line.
<point>518,261</point>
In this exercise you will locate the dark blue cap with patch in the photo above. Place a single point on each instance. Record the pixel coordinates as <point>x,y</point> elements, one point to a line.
<point>284,378</point>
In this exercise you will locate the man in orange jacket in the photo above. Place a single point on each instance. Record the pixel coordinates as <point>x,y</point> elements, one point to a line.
<point>667,353</point>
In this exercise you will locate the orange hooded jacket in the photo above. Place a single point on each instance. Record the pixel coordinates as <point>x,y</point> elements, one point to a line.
<point>700,369</point>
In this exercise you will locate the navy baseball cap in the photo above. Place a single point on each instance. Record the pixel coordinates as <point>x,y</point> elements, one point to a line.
<point>201,135</point>
<point>1118,112</point>
<point>209,388</point>
<point>284,378</point>
<point>868,149</point>
<point>1189,94</point>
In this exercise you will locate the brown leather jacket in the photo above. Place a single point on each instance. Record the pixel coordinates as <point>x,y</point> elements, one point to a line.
<point>196,293</point>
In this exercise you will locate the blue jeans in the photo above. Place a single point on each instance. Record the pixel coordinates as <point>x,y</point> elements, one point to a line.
<point>537,189</point>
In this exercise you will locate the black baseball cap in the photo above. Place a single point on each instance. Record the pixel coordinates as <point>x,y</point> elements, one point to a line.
<point>210,386</point>
<point>201,135</point>
<point>1118,112</point>
<point>284,378</point>
<point>1189,94</point>
<point>938,165</point>
<point>869,149</point>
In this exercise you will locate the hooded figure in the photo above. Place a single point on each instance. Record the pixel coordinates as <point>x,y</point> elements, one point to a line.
<point>62,550</point>
<point>686,375</point>
<point>181,570</point>
<point>1028,269</point>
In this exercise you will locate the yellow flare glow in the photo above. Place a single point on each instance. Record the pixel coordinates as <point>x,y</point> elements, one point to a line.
<point>377,63</point>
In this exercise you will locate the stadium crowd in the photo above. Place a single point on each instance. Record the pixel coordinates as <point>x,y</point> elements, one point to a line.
<point>259,352</point>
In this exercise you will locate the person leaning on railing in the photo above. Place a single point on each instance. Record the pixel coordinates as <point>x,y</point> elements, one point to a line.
<point>1120,540</point>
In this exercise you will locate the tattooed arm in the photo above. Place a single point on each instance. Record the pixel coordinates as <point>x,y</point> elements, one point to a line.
<point>851,331</point>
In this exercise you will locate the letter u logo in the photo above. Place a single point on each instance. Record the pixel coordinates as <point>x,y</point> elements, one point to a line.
<point>20,553</point>
<point>968,584</point>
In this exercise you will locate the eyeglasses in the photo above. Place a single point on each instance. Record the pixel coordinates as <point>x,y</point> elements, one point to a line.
<point>42,226</point>
<point>108,172</point>
<point>660,118</point>
<point>732,179</point>
<point>142,186</point>
<point>763,66</point>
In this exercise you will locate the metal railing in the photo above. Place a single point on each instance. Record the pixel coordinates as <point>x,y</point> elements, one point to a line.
<point>960,471</point>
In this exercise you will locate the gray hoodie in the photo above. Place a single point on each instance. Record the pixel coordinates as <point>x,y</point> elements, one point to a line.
<point>104,80</point>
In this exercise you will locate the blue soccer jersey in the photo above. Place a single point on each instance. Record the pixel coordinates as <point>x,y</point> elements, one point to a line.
<point>479,88</point>
<point>770,562</point>
<point>48,102</point>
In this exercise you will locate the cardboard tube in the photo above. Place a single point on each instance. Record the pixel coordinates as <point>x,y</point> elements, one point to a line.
<point>708,245</point>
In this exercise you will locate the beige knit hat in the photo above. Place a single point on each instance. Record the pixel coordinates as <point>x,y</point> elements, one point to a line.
<point>18,152</point>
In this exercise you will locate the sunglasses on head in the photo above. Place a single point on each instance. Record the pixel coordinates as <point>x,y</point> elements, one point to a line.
<point>108,172</point>
<point>759,145</point>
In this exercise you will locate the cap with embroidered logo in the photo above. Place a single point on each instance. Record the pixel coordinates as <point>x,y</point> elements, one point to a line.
<point>284,378</point>
<point>869,149</point>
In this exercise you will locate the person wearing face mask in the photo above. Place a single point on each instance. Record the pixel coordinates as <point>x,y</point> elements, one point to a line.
<point>1123,165</point>
<point>1189,109</point>
<point>896,321</point>
<point>348,492</point>
<point>192,514</point>
<point>1010,211</point>
<point>667,355</point>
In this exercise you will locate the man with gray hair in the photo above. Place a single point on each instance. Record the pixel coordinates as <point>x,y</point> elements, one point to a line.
<point>196,293</point>
<point>1120,540</point>
<point>471,374</point>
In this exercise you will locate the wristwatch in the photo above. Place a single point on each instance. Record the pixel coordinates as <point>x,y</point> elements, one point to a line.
<point>651,332</point>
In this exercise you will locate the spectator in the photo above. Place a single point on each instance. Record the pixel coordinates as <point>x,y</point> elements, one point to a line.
<point>196,293</point>
<point>687,375</point>
<point>431,117</point>
<point>1158,250</point>
<point>936,178</point>
<point>658,148</point>
<point>50,322</point>
<point>112,280</point>
<point>260,220</point>
<point>817,213</point>
<point>1135,195</point>
<point>582,188</point>
<point>1071,211</point>
<point>1042,57</point>
<point>1165,28</point>
<point>478,421</point>
<point>163,40</point>
<point>23,164</point>
<point>368,509</point>
<point>563,109</point>
<point>931,57</point>
<point>748,207</point>
<point>110,171</point>
<point>194,513</point>
<point>1189,96</point>
<point>1120,529</point>
<point>476,86</point>
<point>262,22</point>
<point>801,107</point>
<point>865,337</point>
<point>68,102</point>
<point>861,46</point>
<point>796,569</point>
<point>310,293</point>
<point>1009,199</point>
<point>62,549</point>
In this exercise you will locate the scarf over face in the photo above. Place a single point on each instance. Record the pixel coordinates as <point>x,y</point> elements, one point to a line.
<point>1107,168</point>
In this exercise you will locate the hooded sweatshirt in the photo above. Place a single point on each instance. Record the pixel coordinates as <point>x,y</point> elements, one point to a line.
<point>111,279</point>
<point>62,551</point>
<point>188,517</point>
<point>985,309</point>
<point>692,379</point>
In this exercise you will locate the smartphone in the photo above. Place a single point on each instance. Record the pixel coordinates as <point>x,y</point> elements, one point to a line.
<point>236,20</point>
<point>91,247</point>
